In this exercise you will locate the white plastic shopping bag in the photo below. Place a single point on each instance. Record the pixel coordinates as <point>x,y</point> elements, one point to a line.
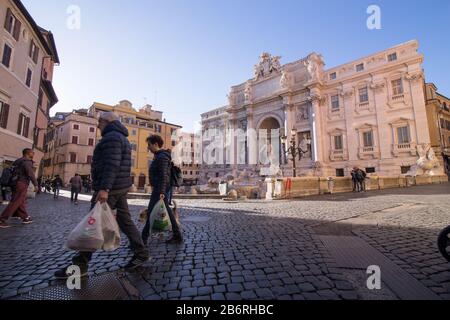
<point>159,218</point>
<point>30,192</point>
<point>88,234</point>
<point>111,232</point>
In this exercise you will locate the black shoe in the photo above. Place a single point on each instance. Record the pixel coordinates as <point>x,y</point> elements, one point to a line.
<point>62,274</point>
<point>136,262</point>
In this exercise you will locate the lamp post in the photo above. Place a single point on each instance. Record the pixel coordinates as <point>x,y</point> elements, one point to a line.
<point>294,150</point>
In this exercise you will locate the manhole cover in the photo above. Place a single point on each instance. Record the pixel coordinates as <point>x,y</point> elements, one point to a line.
<point>197,219</point>
<point>105,287</point>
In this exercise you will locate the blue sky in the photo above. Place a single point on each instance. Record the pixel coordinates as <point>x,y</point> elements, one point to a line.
<point>183,55</point>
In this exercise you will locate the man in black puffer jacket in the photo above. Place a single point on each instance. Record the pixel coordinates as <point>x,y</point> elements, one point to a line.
<point>111,179</point>
<point>160,180</point>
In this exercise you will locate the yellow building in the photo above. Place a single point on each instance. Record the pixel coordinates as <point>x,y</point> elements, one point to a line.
<point>140,125</point>
<point>438,114</point>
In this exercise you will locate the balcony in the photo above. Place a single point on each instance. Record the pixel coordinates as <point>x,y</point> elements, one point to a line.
<point>398,97</point>
<point>404,148</point>
<point>369,152</point>
<point>338,155</point>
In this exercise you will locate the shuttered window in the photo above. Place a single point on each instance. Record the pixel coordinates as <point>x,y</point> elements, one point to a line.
<point>34,51</point>
<point>23,127</point>
<point>12,25</point>
<point>4,113</point>
<point>6,57</point>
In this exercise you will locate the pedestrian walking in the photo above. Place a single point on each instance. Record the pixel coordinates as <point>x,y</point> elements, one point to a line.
<point>355,180</point>
<point>111,177</point>
<point>361,176</point>
<point>57,184</point>
<point>21,174</point>
<point>160,180</point>
<point>75,188</point>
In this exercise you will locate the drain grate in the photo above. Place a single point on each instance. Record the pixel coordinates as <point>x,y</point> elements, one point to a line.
<point>106,287</point>
<point>355,253</point>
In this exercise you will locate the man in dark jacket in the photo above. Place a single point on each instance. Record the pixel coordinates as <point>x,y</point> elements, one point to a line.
<point>160,177</point>
<point>24,174</point>
<point>111,175</point>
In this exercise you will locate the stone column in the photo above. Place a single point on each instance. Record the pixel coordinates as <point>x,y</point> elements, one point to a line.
<point>317,129</point>
<point>418,103</point>
<point>252,140</point>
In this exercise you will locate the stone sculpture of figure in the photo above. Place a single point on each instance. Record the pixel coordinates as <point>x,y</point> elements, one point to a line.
<point>285,80</point>
<point>313,68</point>
<point>275,64</point>
<point>427,164</point>
<point>305,143</point>
<point>248,92</point>
<point>303,114</point>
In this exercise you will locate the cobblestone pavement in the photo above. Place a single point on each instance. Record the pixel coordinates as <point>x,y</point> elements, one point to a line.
<point>248,250</point>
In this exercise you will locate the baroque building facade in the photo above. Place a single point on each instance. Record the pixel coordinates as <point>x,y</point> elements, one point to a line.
<point>369,113</point>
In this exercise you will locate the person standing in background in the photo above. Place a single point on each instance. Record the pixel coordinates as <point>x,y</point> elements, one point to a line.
<point>75,188</point>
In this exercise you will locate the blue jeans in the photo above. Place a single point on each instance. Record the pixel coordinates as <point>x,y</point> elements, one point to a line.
<point>154,199</point>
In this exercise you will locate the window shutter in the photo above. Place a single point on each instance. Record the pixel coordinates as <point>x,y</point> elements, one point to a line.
<point>30,54</point>
<point>26,127</point>
<point>4,116</point>
<point>36,55</point>
<point>19,125</point>
<point>17,27</point>
<point>8,19</point>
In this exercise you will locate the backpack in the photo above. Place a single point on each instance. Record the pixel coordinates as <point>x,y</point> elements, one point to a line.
<point>176,176</point>
<point>10,176</point>
<point>361,174</point>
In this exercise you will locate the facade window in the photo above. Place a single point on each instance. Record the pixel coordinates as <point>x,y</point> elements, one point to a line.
<point>23,125</point>
<point>7,53</point>
<point>34,52</point>
<point>405,169</point>
<point>134,146</point>
<point>368,139</point>
<point>76,127</point>
<point>335,103</point>
<point>363,95</point>
<point>89,160</point>
<point>392,57</point>
<point>4,113</point>
<point>442,123</point>
<point>217,174</point>
<point>338,144</point>
<point>40,97</point>
<point>29,77</point>
<point>91,129</point>
<point>91,142</point>
<point>174,143</point>
<point>133,162</point>
<point>333,76</point>
<point>340,173</point>
<point>360,67</point>
<point>134,132</point>
<point>403,135</point>
<point>12,24</point>
<point>73,157</point>
<point>397,87</point>
<point>370,170</point>
<point>74,139</point>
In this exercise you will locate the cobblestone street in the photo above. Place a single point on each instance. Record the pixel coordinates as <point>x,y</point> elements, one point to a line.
<point>252,249</point>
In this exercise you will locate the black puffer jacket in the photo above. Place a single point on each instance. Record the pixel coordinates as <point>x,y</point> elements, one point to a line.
<point>111,163</point>
<point>159,171</point>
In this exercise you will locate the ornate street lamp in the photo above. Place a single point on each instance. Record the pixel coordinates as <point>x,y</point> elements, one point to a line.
<point>295,150</point>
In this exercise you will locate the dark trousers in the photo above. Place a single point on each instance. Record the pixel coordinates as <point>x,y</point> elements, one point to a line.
<point>74,194</point>
<point>154,199</point>
<point>117,200</point>
<point>3,193</point>
<point>17,205</point>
